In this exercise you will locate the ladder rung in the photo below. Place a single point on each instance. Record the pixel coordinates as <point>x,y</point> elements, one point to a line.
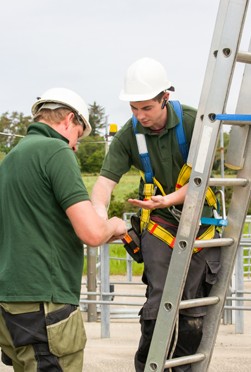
<point>204,301</point>
<point>236,122</point>
<point>208,243</point>
<point>228,182</point>
<point>246,308</point>
<point>244,57</point>
<point>184,360</point>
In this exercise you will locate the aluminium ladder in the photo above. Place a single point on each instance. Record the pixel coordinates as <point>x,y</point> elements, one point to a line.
<point>224,54</point>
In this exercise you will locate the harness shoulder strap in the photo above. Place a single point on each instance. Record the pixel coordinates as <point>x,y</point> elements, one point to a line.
<point>180,133</point>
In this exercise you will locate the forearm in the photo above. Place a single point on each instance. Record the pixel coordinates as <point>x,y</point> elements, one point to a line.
<point>176,197</point>
<point>101,195</point>
<point>91,228</point>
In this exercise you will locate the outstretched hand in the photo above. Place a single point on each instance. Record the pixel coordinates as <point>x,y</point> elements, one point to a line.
<point>157,201</point>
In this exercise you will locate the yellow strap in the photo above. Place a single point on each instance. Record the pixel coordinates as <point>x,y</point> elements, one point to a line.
<point>161,233</point>
<point>168,238</point>
<point>183,178</point>
<point>149,191</point>
<point>155,181</point>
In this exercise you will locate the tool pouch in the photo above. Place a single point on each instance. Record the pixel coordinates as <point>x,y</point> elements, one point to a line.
<point>132,240</point>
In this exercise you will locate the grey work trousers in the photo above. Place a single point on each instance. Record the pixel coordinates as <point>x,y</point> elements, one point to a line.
<point>202,274</point>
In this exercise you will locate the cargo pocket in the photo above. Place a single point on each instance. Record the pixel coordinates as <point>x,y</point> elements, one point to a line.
<point>25,323</point>
<point>65,330</point>
<point>212,269</point>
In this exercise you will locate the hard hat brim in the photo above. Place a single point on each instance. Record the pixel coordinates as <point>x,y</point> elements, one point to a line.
<point>142,97</point>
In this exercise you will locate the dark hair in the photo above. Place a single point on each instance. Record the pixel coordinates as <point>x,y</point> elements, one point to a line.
<point>159,97</point>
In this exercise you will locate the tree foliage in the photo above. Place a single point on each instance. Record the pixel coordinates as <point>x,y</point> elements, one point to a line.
<point>91,152</point>
<point>97,119</point>
<point>13,126</point>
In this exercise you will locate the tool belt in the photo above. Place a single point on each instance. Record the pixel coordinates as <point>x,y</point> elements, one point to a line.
<point>164,235</point>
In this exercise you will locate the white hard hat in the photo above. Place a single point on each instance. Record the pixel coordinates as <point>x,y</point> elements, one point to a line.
<point>62,97</point>
<point>144,80</point>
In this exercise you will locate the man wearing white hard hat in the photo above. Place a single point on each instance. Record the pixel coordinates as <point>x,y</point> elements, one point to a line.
<point>46,216</point>
<point>153,136</point>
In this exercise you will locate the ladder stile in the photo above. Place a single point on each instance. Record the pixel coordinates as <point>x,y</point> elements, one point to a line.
<point>220,20</point>
<point>223,56</point>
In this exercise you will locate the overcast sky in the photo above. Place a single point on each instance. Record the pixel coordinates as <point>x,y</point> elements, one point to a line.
<point>88,45</point>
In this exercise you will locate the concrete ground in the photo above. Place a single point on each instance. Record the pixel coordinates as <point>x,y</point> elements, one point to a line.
<point>232,351</point>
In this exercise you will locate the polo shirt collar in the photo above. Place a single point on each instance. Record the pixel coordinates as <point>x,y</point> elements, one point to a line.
<point>45,130</point>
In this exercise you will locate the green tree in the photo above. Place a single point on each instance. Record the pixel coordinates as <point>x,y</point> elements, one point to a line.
<point>91,150</point>
<point>97,119</point>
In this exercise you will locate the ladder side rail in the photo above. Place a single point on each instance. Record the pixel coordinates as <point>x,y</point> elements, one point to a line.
<point>239,135</point>
<point>186,234</point>
<point>236,217</point>
<point>219,24</point>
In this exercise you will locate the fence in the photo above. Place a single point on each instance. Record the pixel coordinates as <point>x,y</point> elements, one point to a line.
<point>100,304</point>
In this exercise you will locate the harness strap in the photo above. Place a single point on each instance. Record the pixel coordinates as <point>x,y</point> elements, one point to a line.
<point>183,178</point>
<point>149,191</point>
<point>164,235</point>
<point>180,133</point>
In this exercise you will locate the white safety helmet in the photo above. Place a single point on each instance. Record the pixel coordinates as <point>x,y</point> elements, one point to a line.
<point>144,80</point>
<point>62,97</point>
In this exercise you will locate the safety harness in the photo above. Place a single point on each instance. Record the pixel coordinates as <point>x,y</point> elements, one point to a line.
<point>151,184</point>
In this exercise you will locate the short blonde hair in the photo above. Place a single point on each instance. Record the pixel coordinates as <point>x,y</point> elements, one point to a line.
<point>53,116</point>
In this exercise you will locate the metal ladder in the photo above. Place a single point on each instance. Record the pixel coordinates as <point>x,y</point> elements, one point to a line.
<point>224,54</point>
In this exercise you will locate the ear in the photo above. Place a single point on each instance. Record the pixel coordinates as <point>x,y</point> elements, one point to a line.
<point>69,119</point>
<point>164,100</point>
<point>166,96</point>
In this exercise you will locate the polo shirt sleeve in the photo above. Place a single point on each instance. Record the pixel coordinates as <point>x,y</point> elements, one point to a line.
<point>64,177</point>
<point>118,160</point>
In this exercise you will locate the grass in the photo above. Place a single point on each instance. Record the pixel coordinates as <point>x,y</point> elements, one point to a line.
<point>128,183</point>
<point>118,262</point>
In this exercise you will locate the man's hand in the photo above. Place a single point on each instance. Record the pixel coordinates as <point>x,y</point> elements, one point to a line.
<point>120,228</point>
<point>157,201</point>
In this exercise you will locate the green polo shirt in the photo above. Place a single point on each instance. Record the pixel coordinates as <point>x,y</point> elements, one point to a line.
<point>41,256</point>
<point>164,152</point>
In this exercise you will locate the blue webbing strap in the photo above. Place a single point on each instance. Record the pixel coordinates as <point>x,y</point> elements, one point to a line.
<point>214,221</point>
<point>180,133</point>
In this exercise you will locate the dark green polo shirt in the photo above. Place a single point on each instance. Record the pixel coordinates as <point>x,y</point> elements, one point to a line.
<point>163,148</point>
<point>41,256</point>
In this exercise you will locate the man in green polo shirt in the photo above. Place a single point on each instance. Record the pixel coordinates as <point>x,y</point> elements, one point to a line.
<point>45,216</point>
<point>147,89</point>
